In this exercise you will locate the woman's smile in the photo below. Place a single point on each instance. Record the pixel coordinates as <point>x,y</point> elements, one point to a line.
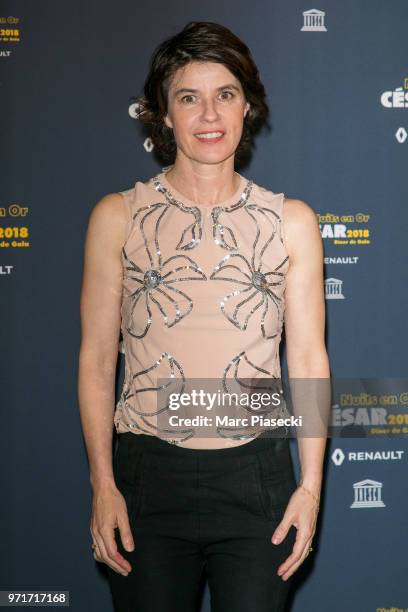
<point>210,137</point>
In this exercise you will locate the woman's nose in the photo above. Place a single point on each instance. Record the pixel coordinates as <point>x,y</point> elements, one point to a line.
<point>210,112</point>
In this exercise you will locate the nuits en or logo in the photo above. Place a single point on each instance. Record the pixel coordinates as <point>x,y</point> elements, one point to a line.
<point>367,494</point>
<point>333,289</point>
<point>342,229</point>
<point>313,21</point>
<point>396,98</point>
<point>10,20</point>
<point>11,234</point>
<point>9,32</point>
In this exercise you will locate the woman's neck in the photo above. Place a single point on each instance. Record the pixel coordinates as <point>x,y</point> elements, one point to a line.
<point>211,183</point>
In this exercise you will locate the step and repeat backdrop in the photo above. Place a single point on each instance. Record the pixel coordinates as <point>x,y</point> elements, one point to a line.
<point>336,74</point>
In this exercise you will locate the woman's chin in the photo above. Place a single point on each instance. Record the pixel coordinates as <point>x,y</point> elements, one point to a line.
<point>212,157</point>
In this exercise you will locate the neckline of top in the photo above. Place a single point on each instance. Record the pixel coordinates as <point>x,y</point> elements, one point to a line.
<point>237,200</point>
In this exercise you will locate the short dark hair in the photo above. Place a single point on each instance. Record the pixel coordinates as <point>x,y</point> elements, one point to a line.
<point>201,41</point>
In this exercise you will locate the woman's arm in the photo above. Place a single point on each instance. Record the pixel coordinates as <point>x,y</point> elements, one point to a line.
<point>100,327</point>
<point>304,328</point>
<point>100,305</point>
<point>307,359</point>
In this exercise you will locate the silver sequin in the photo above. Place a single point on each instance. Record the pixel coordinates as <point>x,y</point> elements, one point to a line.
<point>156,284</point>
<point>256,285</point>
<point>172,369</point>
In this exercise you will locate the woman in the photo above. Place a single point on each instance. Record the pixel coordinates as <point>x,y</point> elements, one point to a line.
<point>199,268</point>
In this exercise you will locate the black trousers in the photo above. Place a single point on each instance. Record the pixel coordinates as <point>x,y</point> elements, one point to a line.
<point>194,511</point>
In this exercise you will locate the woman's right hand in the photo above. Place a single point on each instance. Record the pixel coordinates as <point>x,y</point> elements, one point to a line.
<point>109,511</point>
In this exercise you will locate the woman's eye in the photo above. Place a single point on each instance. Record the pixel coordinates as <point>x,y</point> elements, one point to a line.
<point>190,98</point>
<point>187,99</point>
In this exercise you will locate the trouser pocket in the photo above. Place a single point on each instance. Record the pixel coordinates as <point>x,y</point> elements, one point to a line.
<point>274,488</point>
<point>129,475</point>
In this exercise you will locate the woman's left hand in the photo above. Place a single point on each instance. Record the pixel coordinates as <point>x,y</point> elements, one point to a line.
<point>301,512</point>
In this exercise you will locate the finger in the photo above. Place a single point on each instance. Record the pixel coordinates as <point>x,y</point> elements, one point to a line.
<point>295,566</point>
<point>281,531</point>
<point>114,556</point>
<point>126,535</point>
<point>96,551</point>
<point>107,559</point>
<point>298,549</point>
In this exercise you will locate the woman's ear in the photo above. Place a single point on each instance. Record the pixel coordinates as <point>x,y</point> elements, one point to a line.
<point>247,107</point>
<point>168,122</point>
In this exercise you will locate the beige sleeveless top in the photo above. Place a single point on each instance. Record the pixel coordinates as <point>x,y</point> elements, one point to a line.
<point>203,298</point>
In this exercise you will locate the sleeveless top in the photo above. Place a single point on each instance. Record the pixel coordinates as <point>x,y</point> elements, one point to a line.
<point>203,298</point>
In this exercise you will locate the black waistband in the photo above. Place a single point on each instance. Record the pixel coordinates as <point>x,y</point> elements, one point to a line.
<point>266,440</point>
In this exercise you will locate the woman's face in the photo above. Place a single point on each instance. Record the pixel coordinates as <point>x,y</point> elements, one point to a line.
<point>206,109</point>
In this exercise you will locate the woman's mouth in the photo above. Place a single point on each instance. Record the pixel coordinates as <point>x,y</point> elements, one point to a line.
<point>209,137</point>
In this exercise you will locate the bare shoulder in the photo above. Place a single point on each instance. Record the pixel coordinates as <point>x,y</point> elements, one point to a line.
<point>298,212</point>
<point>300,226</point>
<point>109,208</point>
<point>108,220</point>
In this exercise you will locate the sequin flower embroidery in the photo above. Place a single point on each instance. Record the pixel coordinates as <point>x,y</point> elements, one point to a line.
<point>155,285</point>
<point>257,284</point>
